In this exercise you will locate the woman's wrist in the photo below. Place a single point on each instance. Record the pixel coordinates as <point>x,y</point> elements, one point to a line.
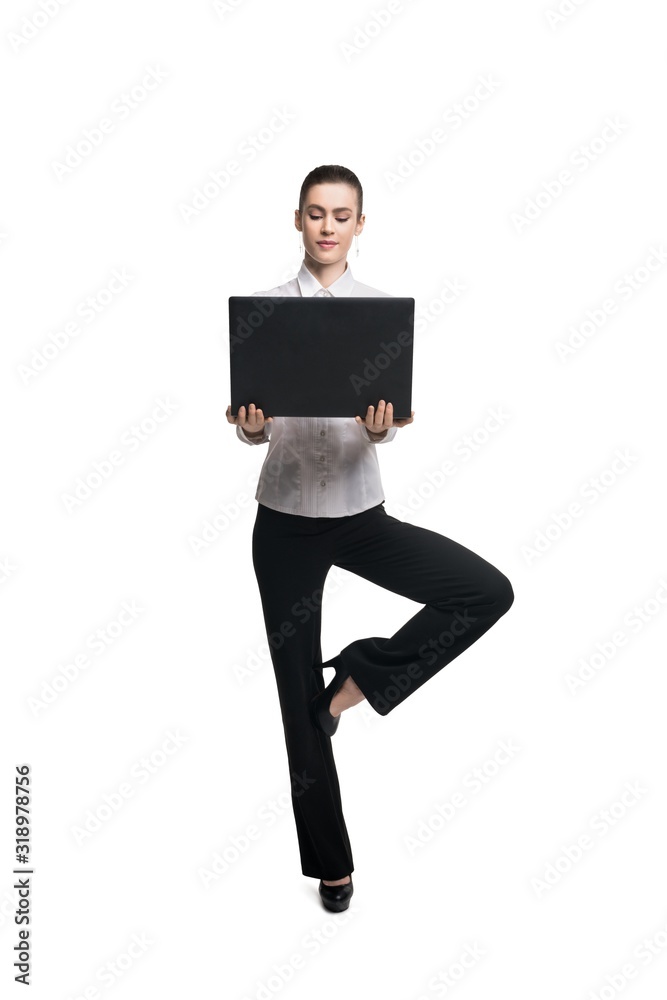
<point>372,434</point>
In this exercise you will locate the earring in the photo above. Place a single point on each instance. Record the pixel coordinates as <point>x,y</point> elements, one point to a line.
<point>300,245</point>
<point>356,243</point>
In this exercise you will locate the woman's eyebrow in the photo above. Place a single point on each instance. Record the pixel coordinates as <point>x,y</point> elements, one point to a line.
<point>335,209</point>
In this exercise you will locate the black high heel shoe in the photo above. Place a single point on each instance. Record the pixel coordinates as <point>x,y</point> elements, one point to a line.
<point>336,897</point>
<point>321,703</point>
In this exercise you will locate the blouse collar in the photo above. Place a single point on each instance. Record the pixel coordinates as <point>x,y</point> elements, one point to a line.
<point>309,284</point>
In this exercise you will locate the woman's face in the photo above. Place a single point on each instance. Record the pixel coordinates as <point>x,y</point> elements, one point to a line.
<point>329,222</point>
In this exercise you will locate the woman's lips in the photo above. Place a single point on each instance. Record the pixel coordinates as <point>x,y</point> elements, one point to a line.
<point>325,246</point>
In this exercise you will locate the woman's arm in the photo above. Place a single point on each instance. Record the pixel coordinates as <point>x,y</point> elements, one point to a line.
<point>383,436</point>
<point>259,437</point>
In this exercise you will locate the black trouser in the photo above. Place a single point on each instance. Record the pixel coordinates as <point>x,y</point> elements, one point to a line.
<point>463,594</point>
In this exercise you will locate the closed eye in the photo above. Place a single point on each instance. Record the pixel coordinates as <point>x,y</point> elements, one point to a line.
<point>319,217</point>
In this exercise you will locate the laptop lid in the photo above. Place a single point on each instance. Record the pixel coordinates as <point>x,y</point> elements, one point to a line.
<point>321,356</point>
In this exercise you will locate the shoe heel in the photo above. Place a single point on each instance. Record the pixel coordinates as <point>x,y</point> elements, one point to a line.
<point>320,705</point>
<point>336,897</point>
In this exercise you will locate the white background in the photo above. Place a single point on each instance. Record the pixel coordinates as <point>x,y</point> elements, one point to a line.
<point>194,659</point>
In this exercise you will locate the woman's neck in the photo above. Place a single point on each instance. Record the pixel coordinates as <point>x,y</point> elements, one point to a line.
<point>326,274</point>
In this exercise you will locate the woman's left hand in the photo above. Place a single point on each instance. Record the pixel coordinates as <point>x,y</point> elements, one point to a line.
<point>382,419</point>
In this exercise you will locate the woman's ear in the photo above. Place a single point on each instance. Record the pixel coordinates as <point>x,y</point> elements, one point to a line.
<point>297,219</point>
<point>360,225</point>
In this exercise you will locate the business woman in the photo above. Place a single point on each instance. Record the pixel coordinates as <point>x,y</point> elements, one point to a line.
<point>321,504</point>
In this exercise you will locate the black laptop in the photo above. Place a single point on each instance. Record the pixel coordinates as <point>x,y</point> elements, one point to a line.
<point>321,356</point>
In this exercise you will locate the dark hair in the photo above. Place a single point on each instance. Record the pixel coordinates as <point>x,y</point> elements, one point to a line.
<point>335,174</point>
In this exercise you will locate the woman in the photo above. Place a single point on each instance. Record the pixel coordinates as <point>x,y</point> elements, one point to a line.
<point>321,504</point>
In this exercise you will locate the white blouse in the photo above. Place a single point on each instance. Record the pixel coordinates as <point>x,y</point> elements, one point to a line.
<point>319,466</point>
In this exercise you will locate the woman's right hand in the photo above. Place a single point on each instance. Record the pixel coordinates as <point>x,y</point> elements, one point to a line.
<point>252,422</point>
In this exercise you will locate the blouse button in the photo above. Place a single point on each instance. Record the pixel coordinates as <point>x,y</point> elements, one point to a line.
<point>321,433</point>
<point>322,483</point>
